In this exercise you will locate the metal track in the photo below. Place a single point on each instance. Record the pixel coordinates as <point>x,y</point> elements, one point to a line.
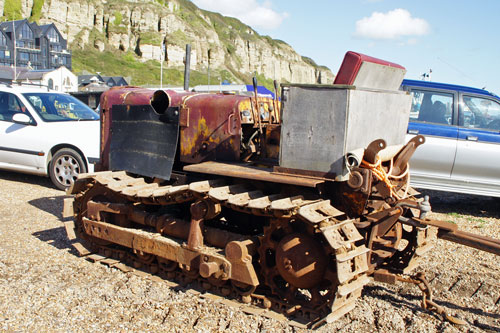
<point>340,235</point>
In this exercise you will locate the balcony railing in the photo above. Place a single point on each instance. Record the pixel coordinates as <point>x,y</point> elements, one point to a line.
<point>60,52</point>
<point>28,48</point>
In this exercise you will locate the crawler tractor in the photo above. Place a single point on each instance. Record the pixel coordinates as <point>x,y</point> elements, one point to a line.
<point>289,204</point>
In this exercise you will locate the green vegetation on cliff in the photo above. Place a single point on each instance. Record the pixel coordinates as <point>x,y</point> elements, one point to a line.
<point>12,10</point>
<point>151,38</point>
<point>118,63</point>
<point>118,18</point>
<point>36,12</point>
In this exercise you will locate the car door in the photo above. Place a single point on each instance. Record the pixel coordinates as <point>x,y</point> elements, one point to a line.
<point>19,143</point>
<point>478,149</point>
<point>433,114</point>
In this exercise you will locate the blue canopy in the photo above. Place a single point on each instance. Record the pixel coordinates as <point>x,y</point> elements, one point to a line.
<point>261,90</point>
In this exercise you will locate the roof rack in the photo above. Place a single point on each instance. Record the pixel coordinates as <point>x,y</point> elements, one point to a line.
<point>11,84</point>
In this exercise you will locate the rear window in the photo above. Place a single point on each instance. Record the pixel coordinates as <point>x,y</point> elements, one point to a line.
<point>60,107</point>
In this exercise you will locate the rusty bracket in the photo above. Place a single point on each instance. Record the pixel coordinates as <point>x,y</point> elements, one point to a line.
<point>372,150</point>
<point>385,220</point>
<point>404,155</point>
<point>184,116</point>
<point>382,275</point>
<point>200,210</point>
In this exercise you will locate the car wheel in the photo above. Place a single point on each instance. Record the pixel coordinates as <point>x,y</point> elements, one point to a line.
<point>64,167</point>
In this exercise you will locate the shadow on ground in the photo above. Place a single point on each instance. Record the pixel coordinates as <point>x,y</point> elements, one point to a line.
<point>26,178</point>
<point>412,302</point>
<point>53,205</point>
<point>465,204</point>
<point>57,238</point>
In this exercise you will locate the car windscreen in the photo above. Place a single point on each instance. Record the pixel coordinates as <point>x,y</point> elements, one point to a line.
<point>60,107</point>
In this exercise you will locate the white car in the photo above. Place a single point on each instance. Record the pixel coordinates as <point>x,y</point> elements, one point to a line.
<point>47,133</point>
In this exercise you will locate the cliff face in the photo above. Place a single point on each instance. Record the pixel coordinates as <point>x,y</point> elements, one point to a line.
<point>142,25</point>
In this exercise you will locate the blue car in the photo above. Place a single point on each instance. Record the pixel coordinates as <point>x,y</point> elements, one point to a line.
<point>462,130</point>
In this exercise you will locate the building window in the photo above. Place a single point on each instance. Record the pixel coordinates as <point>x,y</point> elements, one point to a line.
<point>24,56</point>
<point>53,36</point>
<point>24,44</point>
<point>4,54</point>
<point>51,84</point>
<point>3,40</point>
<point>26,32</point>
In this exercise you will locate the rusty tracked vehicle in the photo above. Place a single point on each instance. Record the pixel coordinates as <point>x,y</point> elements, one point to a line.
<point>290,205</point>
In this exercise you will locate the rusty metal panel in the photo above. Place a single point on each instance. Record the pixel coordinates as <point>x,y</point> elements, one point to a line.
<point>321,124</point>
<point>213,128</point>
<point>143,141</point>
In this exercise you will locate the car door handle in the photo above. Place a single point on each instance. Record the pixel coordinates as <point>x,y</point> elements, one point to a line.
<point>413,131</point>
<point>471,138</point>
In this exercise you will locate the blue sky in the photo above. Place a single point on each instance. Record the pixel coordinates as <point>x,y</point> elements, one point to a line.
<point>458,40</point>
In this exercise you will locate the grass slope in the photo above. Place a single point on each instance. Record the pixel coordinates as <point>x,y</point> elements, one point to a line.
<point>119,63</point>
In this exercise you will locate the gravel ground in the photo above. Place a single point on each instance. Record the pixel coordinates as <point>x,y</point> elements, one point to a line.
<point>45,286</point>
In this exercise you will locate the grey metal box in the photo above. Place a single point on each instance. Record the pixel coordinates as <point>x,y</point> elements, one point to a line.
<point>320,124</point>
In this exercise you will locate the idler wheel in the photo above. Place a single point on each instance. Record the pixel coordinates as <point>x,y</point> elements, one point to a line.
<point>167,265</point>
<point>300,260</point>
<point>242,289</point>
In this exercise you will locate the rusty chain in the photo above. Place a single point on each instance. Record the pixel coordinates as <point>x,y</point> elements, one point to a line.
<point>427,302</point>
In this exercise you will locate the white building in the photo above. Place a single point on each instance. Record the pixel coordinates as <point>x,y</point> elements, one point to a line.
<point>60,79</point>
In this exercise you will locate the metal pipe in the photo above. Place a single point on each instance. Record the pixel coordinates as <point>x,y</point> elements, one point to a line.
<point>276,102</point>
<point>254,81</point>
<point>187,65</point>
<point>482,243</point>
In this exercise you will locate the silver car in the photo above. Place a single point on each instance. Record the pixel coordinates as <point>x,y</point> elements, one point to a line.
<point>462,130</point>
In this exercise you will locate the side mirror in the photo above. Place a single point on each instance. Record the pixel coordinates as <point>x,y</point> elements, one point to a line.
<point>21,118</point>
